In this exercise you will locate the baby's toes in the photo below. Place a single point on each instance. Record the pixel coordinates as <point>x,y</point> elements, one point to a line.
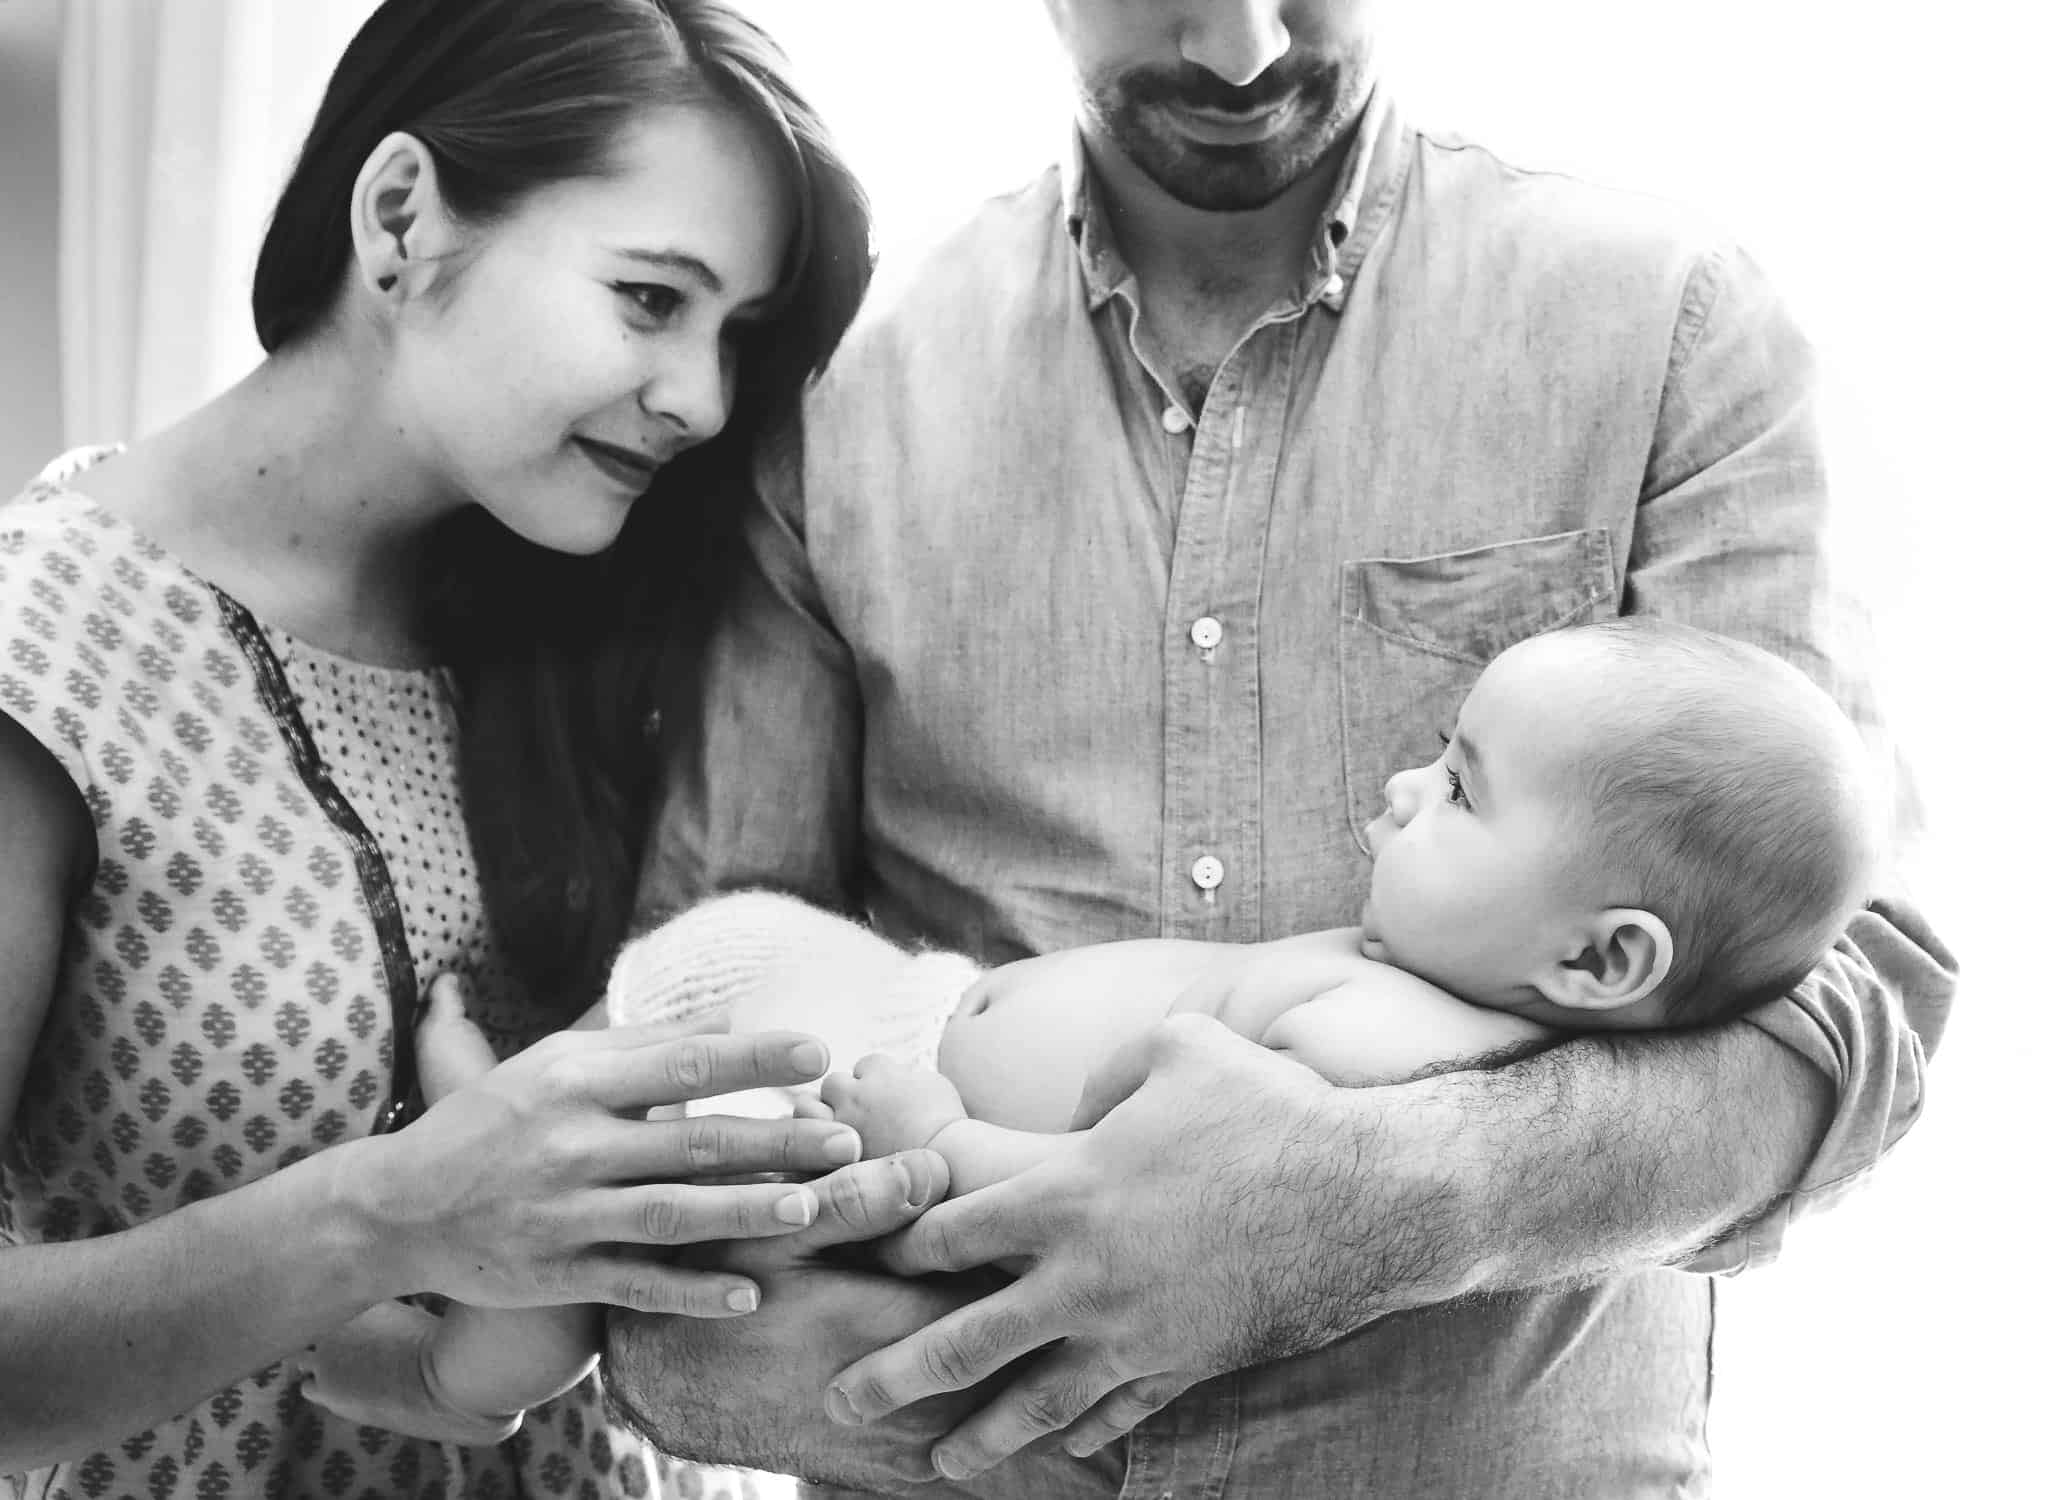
<point>452,1049</point>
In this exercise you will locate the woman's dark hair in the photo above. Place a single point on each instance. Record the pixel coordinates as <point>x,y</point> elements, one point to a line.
<point>562,662</point>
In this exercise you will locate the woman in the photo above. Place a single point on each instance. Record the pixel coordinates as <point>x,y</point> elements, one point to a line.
<point>343,682</point>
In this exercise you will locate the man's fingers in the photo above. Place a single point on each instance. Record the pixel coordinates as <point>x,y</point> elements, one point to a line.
<point>645,1066</point>
<point>1117,1414</point>
<point>1130,1065</point>
<point>1113,1079</point>
<point>873,1198</point>
<point>976,1230</point>
<point>705,1146</point>
<point>959,1350</point>
<point>1046,1398</point>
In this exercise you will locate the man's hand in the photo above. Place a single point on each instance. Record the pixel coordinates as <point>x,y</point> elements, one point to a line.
<point>751,1390</point>
<point>1198,1228</point>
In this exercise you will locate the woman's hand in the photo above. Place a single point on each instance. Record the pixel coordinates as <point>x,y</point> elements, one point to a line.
<point>543,1182</point>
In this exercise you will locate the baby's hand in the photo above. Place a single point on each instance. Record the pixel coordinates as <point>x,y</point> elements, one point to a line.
<point>373,1371</point>
<point>893,1106</point>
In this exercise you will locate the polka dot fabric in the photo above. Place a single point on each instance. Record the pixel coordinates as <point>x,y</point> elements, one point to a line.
<point>223,1007</point>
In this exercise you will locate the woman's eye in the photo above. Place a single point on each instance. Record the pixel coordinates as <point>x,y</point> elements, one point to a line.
<point>657,302</point>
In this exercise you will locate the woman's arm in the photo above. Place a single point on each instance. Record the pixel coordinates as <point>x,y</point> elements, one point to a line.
<point>102,1338</point>
<point>510,1192</point>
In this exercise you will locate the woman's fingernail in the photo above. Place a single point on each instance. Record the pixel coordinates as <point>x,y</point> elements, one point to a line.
<point>841,1147</point>
<point>838,1406</point>
<point>916,1181</point>
<point>742,1300</point>
<point>950,1465</point>
<point>797,1208</point>
<point>808,1058</point>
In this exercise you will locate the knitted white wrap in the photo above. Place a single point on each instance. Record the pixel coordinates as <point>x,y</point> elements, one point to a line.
<point>758,961</point>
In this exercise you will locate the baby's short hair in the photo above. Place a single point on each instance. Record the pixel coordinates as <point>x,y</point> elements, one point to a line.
<point>1727,794</point>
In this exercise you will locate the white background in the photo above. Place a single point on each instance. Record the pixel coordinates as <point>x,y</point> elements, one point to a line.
<point>1882,160</point>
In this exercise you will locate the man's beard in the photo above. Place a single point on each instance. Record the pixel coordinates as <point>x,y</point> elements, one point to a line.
<point>1325,94</point>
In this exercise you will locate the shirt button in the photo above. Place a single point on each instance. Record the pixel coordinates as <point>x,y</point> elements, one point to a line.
<point>1207,872</point>
<point>1206,632</point>
<point>1176,421</point>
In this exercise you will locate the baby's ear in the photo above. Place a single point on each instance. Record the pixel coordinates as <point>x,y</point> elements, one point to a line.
<point>1620,957</point>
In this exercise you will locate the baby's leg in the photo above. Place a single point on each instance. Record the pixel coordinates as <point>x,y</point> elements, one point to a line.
<point>464,1377</point>
<point>493,1361</point>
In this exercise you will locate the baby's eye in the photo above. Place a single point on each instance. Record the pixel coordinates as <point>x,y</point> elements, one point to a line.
<point>1457,796</point>
<point>659,303</point>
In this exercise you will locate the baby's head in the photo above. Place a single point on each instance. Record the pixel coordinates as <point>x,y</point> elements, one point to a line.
<point>1634,824</point>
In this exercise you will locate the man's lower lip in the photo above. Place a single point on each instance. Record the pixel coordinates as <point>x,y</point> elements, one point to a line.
<point>1220,128</point>
<point>616,468</point>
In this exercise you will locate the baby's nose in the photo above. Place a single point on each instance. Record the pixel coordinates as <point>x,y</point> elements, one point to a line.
<point>1402,794</point>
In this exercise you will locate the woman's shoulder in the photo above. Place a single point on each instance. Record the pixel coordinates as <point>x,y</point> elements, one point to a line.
<point>88,607</point>
<point>58,542</point>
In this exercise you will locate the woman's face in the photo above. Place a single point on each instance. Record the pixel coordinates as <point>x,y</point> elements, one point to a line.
<point>589,337</point>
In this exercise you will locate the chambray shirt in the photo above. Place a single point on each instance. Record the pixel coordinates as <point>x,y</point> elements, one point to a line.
<point>1032,656</point>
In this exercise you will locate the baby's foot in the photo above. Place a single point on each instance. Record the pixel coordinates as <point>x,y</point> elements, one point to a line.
<point>452,1050</point>
<point>893,1106</point>
<point>372,1371</point>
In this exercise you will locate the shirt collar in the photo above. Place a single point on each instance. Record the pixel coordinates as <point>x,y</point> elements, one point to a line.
<point>1364,194</point>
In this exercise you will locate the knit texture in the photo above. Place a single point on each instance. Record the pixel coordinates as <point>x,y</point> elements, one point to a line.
<point>759,961</point>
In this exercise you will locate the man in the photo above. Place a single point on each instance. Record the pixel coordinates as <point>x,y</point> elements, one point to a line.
<point>1128,548</point>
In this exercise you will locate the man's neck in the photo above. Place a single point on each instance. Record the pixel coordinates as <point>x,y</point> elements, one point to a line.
<point>1227,267</point>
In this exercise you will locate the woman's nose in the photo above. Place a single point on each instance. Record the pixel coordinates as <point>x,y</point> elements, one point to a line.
<point>692,390</point>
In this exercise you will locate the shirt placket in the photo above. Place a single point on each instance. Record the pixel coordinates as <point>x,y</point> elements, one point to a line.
<point>1210,850</point>
<point>1210,874</point>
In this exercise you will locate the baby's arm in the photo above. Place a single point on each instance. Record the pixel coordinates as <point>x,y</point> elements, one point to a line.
<point>469,1375</point>
<point>1383,1025</point>
<point>899,1107</point>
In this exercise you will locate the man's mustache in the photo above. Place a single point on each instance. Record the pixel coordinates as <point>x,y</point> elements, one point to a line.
<point>1194,87</point>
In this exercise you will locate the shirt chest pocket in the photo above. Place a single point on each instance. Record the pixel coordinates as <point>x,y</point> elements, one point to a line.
<point>1417,631</point>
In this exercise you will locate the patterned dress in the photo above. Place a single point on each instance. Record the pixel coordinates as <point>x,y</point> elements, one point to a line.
<point>281,852</point>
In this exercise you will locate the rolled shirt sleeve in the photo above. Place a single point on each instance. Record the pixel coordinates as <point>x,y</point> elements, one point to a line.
<point>763,785</point>
<point>1733,529</point>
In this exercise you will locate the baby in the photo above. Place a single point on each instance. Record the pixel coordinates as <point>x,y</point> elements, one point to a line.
<point>1632,825</point>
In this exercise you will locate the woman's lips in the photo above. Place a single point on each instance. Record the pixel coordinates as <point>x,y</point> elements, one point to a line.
<point>632,470</point>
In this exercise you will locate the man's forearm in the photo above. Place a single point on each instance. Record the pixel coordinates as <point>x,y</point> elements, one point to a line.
<point>1603,1155</point>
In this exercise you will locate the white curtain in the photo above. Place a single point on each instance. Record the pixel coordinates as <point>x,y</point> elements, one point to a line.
<point>180,118</point>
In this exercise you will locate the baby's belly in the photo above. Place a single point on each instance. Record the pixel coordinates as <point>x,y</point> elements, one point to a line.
<point>1023,1063</point>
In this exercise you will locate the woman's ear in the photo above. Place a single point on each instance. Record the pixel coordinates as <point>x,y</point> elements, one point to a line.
<point>1620,958</point>
<point>399,224</point>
